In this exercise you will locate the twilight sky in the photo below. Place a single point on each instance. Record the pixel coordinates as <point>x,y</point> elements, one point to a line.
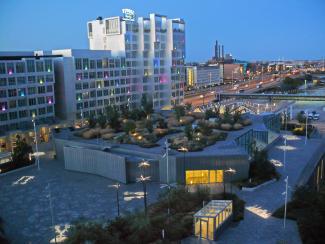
<point>249,29</point>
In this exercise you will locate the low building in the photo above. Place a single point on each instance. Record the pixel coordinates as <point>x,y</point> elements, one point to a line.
<point>203,75</point>
<point>233,72</point>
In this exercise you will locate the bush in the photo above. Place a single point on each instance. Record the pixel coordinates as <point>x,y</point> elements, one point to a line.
<point>179,111</point>
<point>129,126</point>
<point>204,127</point>
<point>137,228</point>
<point>308,209</point>
<point>226,126</point>
<point>188,132</point>
<point>237,126</point>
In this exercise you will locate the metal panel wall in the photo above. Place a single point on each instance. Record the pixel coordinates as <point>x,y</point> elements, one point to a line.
<point>95,162</point>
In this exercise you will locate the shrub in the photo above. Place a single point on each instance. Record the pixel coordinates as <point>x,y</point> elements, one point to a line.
<point>148,124</point>
<point>92,122</point>
<point>179,111</point>
<point>237,126</point>
<point>188,132</point>
<point>246,122</point>
<point>129,126</point>
<point>204,127</point>
<point>226,126</point>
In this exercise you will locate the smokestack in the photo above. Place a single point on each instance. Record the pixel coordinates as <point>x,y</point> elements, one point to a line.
<point>219,53</point>
<point>216,53</point>
<point>223,52</point>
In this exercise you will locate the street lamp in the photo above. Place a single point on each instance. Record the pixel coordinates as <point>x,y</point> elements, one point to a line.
<point>284,153</point>
<point>231,171</point>
<point>202,96</point>
<point>285,201</point>
<point>143,179</point>
<point>81,112</point>
<point>36,144</point>
<point>306,112</point>
<point>117,187</point>
<point>51,210</point>
<point>184,150</point>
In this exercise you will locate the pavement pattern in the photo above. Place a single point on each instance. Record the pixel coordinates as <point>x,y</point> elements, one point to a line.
<point>25,208</point>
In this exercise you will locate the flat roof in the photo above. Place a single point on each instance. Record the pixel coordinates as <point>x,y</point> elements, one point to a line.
<point>213,208</point>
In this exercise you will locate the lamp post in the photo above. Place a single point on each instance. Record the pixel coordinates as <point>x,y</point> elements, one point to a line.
<point>143,179</point>
<point>202,96</point>
<point>306,112</point>
<point>81,112</point>
<point>284,153</point>
<point>184,150</point>
<point>231,171</point>
<point>285,201</point>
<point>51,210</point>
<point>117,187</point>
<point>36,144</point>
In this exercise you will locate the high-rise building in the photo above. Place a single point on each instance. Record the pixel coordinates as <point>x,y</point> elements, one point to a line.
<point>216,51</point>
<point>156,48</point>
<point>26,89</point>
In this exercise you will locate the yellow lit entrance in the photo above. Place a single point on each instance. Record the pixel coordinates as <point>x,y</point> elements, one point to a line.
<point>203,176</point>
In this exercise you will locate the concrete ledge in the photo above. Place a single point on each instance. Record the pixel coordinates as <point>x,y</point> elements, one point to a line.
<point>17,170</point>
<point>256,187</point>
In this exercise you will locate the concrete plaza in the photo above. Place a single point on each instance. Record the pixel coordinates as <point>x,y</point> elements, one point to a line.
<point>25,204</point>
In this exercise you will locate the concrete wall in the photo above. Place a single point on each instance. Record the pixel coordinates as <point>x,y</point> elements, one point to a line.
<point>95,162</point>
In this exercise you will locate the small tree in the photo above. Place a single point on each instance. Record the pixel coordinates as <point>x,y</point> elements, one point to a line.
<point>129,126</point>
<point>227,115</point>
<point>301,118</point>
<point>113,116</point>
<point>209,114</point>
<point>102,121</point>
<point>137,114</point>
<point>188,107</point>
<point>161,124</point>
<point>237,116</point>
<point>149,125</point>
<point>92,121</point>
<point>179,111</point>
<point>204,128</point>
<point>21,152</point>
<point>188,130</point>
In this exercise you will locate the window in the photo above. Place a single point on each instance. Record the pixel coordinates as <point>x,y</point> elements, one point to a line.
<point>39,66</point>
<point>31,90</point>
<point>31,79</point>
<point>10,68</point>
<point>12,81</point>
<point>49,78</point>
<point>3,117</point>
<point>78,64</point>
<point>20,67</point>
<point>30,66</point>
<point>2,68</point>
<point>32,101</point>
<point>78,86</point>
<point>41,100</point>
<point>49,89</point>
<point>49,109</point>
<point>41,89</point>
<point>203,176</point>
<point>85,85</point>
<point>13,115</point>
<point>90,29</point>
<point>85,63</point>
<point>23,114</point>
<point>92,64</point>
<point>41,111</point>
<point>40,79</point>
<point>99,64</point>
<point>3,82</point>
<point>48,65</point>
<point>22,102</point>
<point>12,92</point>
<point>22,92</point>
<point>12,104</point>
<point>3,93</point>
<point>21,80</point>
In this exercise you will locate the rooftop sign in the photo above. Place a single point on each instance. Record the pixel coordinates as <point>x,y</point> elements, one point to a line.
<point>128,14</point>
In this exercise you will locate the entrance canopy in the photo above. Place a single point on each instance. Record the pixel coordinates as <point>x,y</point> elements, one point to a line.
<point>213,208</point>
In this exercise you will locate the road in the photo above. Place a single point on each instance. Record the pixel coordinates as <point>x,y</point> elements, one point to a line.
<point>206,97</point>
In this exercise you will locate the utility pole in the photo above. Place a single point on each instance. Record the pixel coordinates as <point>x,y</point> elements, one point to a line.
<point>285,201</point>
<point>51,210</point>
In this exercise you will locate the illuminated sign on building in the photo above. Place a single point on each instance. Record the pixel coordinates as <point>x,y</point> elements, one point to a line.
<point>128,14</point>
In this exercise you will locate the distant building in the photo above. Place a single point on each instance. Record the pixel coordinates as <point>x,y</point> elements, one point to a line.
<point>233,72</point>
<point>203,75</point>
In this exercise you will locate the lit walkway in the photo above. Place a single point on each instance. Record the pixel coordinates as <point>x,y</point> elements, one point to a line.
<point>258,225</point>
